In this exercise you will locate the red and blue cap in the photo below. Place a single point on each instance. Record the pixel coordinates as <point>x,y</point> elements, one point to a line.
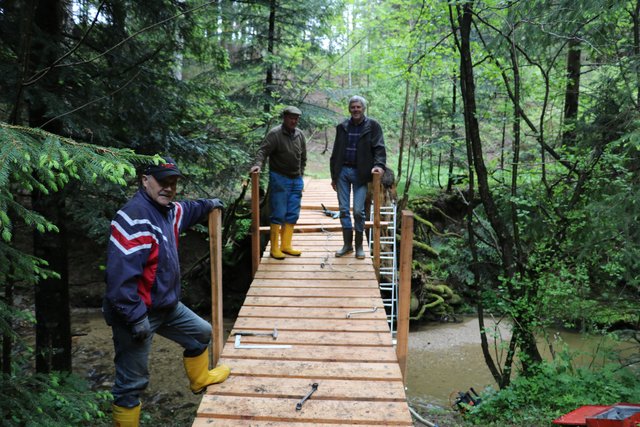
<point>166,168</point>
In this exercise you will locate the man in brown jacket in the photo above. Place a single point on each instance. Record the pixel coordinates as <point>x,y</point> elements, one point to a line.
<point>286,148</point>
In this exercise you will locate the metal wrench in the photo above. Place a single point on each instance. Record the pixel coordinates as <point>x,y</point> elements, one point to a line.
<point>314,387</point>
<point>273,334</point>
<point>373,310</point>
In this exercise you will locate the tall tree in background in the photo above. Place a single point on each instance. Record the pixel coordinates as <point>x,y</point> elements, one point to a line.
<point>105,73</point>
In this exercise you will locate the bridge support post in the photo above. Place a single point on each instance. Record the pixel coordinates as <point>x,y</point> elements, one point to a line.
<point>255,222</point>
<point>404,291</point>
<point>215,259</point>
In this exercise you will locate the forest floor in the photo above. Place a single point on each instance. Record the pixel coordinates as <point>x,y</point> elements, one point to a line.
<point>167,401</point>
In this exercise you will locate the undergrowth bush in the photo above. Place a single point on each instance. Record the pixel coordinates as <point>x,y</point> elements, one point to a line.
<point>53,400</point>
<point>556,388</point>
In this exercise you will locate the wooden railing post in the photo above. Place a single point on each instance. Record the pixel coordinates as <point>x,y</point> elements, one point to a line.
<point>404,291</point>
<point>376,224</point>
<point>255,222</point>
<point>215,257</point>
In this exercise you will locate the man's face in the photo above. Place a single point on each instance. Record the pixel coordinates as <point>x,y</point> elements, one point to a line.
<point>290,121</point>
<point>357,112</point>
<point>162,192</point>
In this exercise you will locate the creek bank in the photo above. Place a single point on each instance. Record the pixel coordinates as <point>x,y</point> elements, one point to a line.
<point>167,401</point>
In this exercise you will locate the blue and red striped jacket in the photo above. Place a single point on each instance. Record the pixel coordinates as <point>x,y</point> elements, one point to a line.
<point>143,270</point>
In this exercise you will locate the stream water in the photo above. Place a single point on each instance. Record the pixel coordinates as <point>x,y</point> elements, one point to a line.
<point>446,358</point>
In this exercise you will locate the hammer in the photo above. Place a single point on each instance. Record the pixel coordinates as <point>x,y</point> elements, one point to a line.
<point>273,334</point>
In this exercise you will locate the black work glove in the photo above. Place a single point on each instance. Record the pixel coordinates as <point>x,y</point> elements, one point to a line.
<point>216,204</point>
<point>141,330</point>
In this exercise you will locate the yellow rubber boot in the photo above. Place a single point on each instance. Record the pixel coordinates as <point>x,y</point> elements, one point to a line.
<point>275,247</point>
<point>126,417</point>
<point>199,374</point>
<point>287,236</point>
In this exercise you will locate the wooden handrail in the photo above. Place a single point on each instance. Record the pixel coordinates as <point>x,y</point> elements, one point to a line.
<point>215,258</point>
<point>306,228</point>
<point>255,222</point>
<point>404,291</point>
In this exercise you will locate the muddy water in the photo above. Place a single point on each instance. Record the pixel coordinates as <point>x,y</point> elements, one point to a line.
<point>444,359</point>
<point>447,358</point>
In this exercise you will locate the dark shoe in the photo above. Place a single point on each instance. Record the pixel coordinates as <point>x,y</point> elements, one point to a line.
<point>359,250</point>
<point>347,238</point>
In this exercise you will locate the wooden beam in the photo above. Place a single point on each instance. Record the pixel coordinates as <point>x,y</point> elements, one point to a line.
<point>404,291</point>
<point>321,228</point>
<point>255,222</point>
<point>215,259</point>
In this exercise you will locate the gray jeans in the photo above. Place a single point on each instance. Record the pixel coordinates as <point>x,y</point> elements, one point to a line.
<point>179,324</point>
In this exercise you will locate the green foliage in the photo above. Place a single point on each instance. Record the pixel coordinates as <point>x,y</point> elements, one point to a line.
<point>556,388</point>
<point>37,160</point>
<point>53,400</point>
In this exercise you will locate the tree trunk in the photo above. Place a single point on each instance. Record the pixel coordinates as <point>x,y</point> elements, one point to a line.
<point>403,130</point>
<point>572,92</point>
<point>53,325</point>
<point>635,16</point>
<point>7,341</point>
<point>454,101</point>
<point>271,36</point>
<point>522,334</point>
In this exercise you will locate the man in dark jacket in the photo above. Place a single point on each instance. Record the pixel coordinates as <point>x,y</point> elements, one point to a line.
<point>358,152</point>
<point>143,289</point>
<point>286,148</point>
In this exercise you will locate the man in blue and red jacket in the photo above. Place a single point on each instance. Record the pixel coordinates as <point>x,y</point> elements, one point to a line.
<point>143,289</point>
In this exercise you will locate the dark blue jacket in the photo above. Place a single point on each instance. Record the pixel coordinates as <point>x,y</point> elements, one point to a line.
<point>370,150</point>
<point>143,270</point>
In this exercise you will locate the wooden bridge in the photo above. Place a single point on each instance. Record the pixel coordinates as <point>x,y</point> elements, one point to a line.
<point>324,324</point>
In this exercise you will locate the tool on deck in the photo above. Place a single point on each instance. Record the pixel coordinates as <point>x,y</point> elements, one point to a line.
<point>314,387</point>
<point>327,212</point>
<point>239,345</point>
<point>273,334</point>
<point>351,313</point>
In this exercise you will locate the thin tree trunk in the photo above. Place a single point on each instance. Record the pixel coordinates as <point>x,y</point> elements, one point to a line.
<point>505,240</point>
<point>572,92</point>
<point>268,84</point>
<point>7,341</point>
<point>454,101</point>
<point>403,130</point>
<point>635,16</point>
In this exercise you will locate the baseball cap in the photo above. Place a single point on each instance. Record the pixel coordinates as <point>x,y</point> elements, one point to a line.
<point>164,169</point>
<point>292,110</point>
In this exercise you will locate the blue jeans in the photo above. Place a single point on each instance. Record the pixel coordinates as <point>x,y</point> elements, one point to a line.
<point>285,198</point>
<point>132,357</point>
<point>347,179</point>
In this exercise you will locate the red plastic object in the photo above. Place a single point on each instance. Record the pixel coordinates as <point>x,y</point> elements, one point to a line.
<point>618,415</point>
<point>578,417</point>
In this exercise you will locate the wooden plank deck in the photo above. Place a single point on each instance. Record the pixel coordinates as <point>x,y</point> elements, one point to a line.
<point>307,299</point>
